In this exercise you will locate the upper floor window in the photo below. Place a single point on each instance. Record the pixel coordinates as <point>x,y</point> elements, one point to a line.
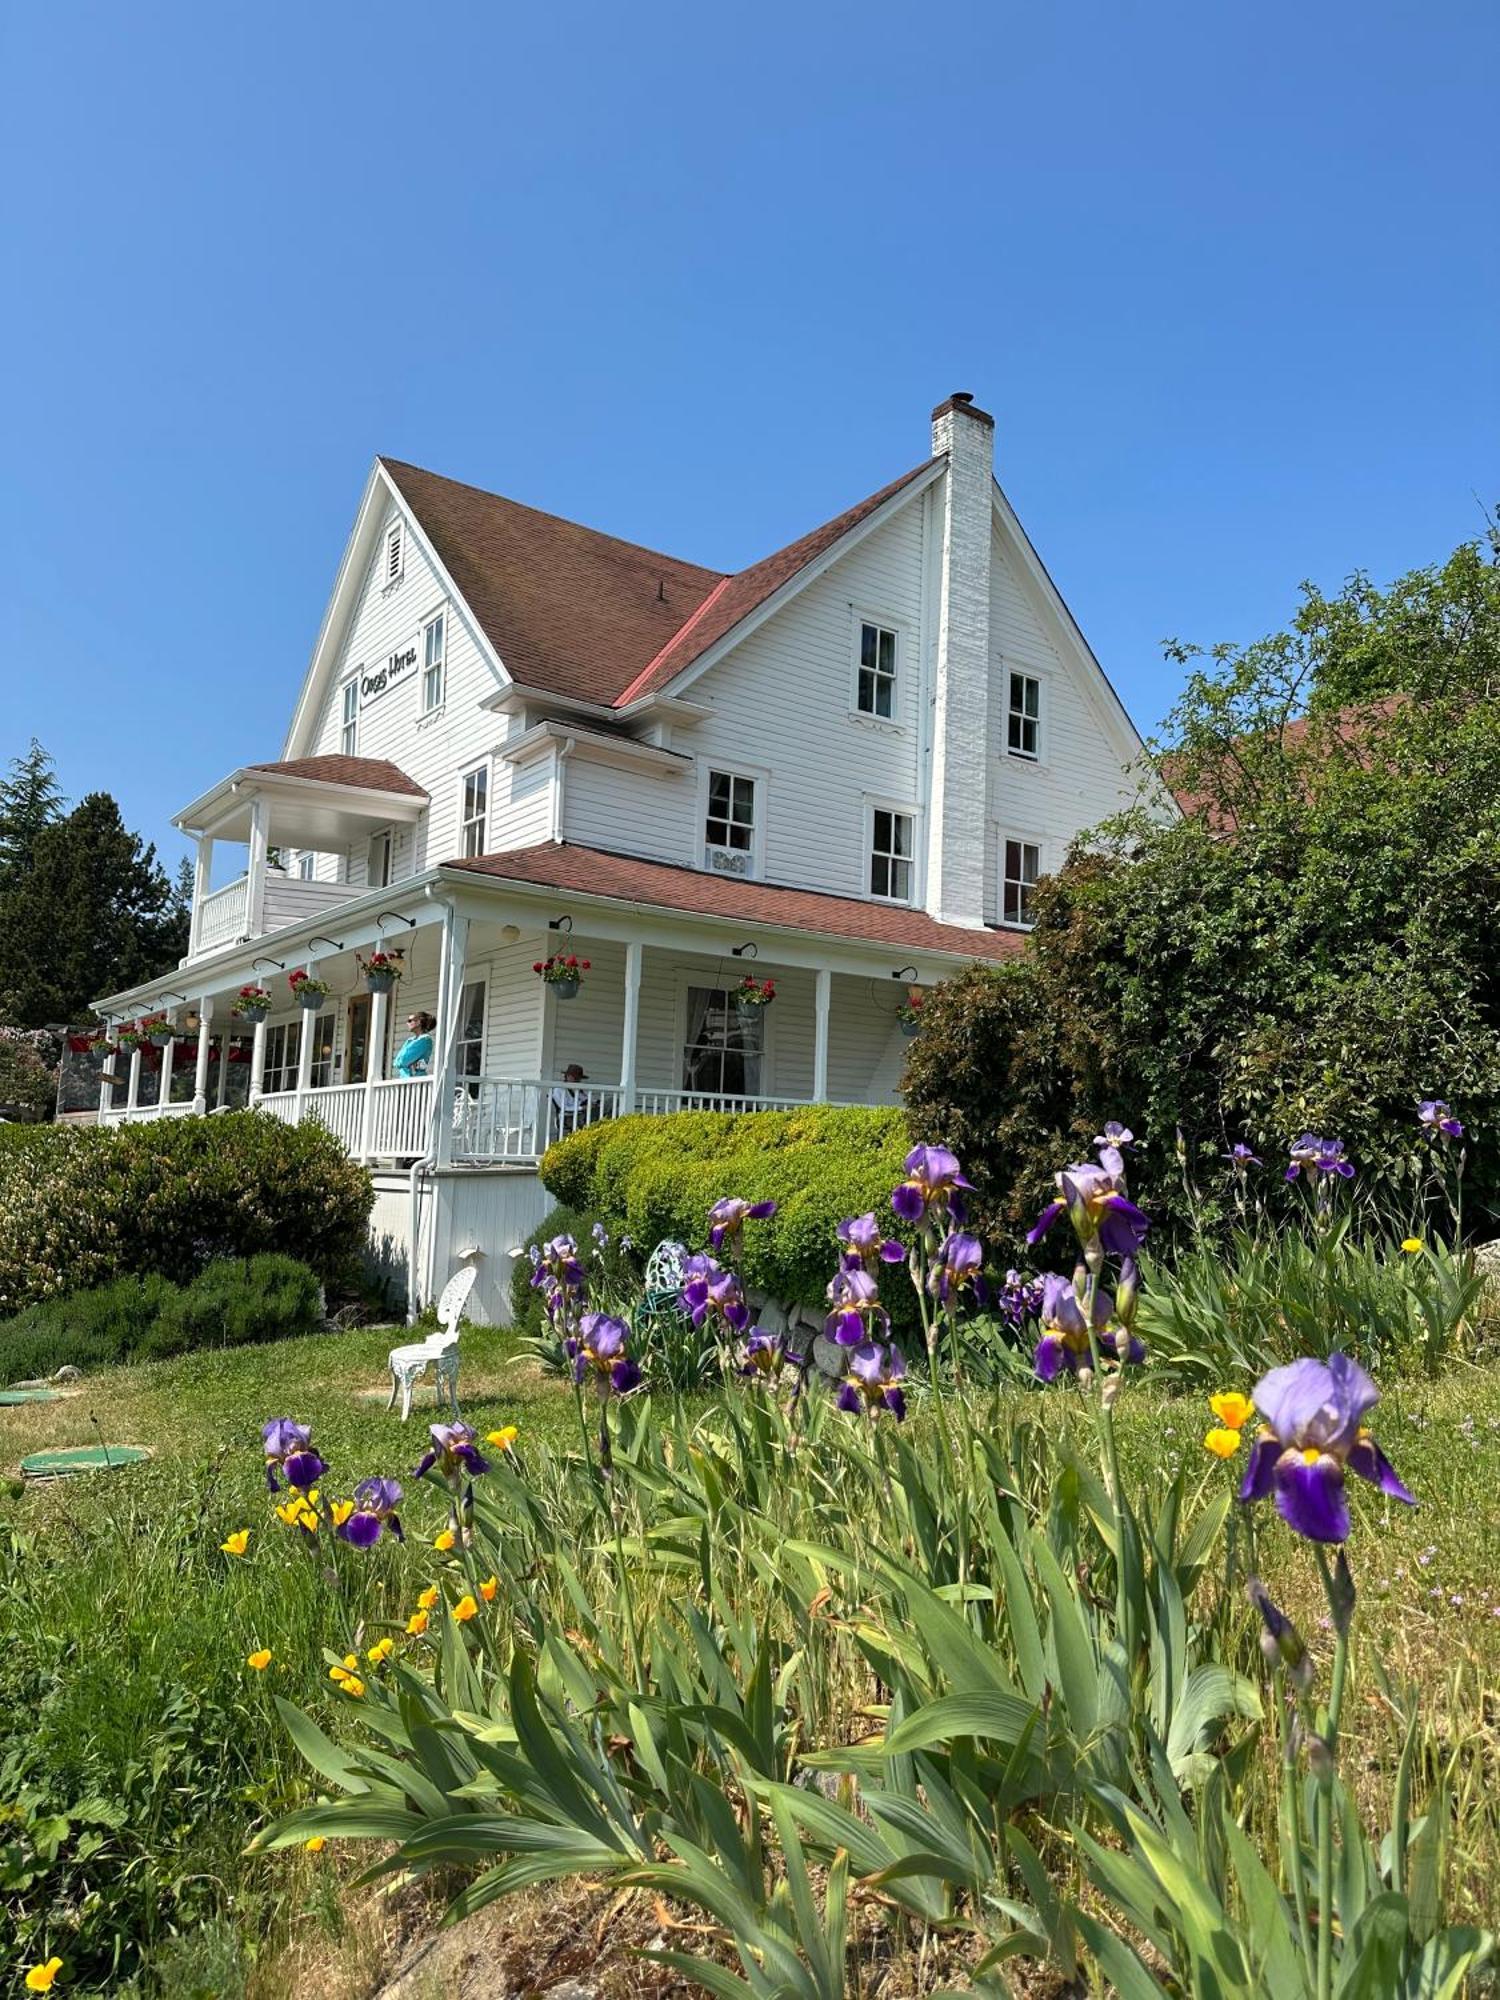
<point>349,718</point>
<point>395,552</point>
<point>378,861</point>
<point>1023,720</point>
<point>891,850</point>
<point>1022,872</point>
<point>729,823</point>
<point>476,802</point>
<point>432,663</point>
<point>875,692</point>
<point>305,866</point>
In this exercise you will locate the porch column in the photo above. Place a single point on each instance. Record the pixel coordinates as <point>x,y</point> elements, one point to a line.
<point>106,1080</point>
<point>203,869</point>
<point>822,1002</point>
<point>454,965</point>
<point>164,1085</point>
<point>222,1097</point>
<point>255,883</point>
<point>632,1023</point>
<point>306,1049</point>
<point>133,1092</point>
<point>258,1059</point>
<point>200,1071</point>
<point>374,1071</point>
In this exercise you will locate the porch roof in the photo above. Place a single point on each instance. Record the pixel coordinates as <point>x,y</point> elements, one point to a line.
<point>625,878</point>
<point>314,799</point>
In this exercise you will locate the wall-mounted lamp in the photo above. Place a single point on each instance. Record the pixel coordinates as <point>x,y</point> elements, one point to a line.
<point>746,950</point>
<point>326,940</point>
<point>257,963</point>
<point>907,972</point>
<point>395,917</point>
<point>561,924</point>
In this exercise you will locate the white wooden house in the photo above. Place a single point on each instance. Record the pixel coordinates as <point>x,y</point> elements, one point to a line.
<point>843,768</point>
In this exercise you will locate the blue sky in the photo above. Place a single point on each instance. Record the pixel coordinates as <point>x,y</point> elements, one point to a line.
<point>1228,279</point>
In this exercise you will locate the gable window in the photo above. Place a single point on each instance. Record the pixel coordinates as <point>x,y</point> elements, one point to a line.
<point>876,686</point>
<point>1023,720</point>
<point>395,553</point>
<point>1022,872</point>
<point>729,823</point>
<point>891,848</point>
<point>349,718</point>
<point>378,861</point>
<point>724,1046</point>
<point>432,664</point>
<point>476,801</point>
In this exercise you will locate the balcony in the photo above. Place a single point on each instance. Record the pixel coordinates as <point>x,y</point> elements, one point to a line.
<point>223,916</point>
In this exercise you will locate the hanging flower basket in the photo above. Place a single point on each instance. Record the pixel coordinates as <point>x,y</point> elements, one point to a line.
<point>251,1003</point>
<point>381,970</point>
<point>128,1040</point>
<point>910,1015</point>
<point>157,1030</point>
<point>307,991</point>
<point>752,994</point>
<point>563,973</point>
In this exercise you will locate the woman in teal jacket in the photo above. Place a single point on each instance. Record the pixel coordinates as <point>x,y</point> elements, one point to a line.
<point>414,1057</point>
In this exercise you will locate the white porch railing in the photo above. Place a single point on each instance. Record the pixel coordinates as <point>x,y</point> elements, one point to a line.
<point>223,916</point>
<point>657,1102</point>
<point>501,1118</point>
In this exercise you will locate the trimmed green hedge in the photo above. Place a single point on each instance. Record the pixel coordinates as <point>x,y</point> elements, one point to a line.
<point>82,1205</point>
<point>658,1177</point>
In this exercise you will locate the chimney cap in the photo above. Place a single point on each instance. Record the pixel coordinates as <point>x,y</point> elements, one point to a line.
<point>962,403</point>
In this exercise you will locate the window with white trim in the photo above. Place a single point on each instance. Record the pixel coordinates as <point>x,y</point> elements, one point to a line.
<point>729,823</point>
<point>432,663</point>
<point>875,686</point>
<point>475,810</point>
<point>1021,871</point>
<point>283,1044</point>
<point>395,553</point>
<point>891,852</point>
<point>320,1076</point>
<point>305,864</point>
<point>349,718</point>
<point>378,861</point>
<point>1023,719</point>
<point>469,1046</point>
<point>723,1045</point>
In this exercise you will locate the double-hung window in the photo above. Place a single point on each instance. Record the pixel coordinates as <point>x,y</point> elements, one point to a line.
<point>305,866</point>
<point>875,692</point>
<point>283,1045</point>
<point>729,823</point>
<point>475,811</point>
<point>1022,871</point>
<point>349,718</point>
<point>433,663</point>
<point>1023,718</point>
<point>469,1046</point>
<point>723,1047</point>
<point>891,851</point>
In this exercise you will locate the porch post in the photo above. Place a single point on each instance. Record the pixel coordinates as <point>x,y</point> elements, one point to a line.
<point>222,1097</point>
<point>200,1072</point>
<point>106,1075</point>
<point>455,958</point>
<point>255,882</point>
<point>822,1002</point>
<point>164,1085</point>
<point>133,1092</point>
<point>374,1070</point>
<point>203,868</point>
<point>305,1052</point>
<point>258,1059</point>
<point>632,1024</point>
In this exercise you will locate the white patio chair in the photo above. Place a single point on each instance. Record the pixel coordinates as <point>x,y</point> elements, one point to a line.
<point>439,1351</point>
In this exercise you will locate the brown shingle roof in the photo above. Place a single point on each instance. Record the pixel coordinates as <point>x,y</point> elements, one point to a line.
<point>575,612</point>
<point>371,774</point>
<point>627,879</point>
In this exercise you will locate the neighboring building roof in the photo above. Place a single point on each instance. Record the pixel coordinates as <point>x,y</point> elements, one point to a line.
<point>370,774</point>
<point>578,613</point>
<point>627,879</point>
<point>1349,725</point>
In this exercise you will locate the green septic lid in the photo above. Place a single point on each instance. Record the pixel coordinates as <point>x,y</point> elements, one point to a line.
<point>85,1458</point>
<point>9,1397</point>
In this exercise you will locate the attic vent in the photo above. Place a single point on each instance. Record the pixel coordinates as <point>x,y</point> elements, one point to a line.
<point>395,552</point>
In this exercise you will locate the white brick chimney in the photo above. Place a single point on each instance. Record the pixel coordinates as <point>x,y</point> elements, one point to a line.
<point>957,828</point>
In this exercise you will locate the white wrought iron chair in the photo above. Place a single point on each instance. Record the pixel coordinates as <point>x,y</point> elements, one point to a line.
<point>440,1350</point>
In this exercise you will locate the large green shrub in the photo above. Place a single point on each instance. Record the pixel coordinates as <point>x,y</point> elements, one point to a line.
<point>82,1205</point>
<point>658,1177</point>
<point>92,1329</point>
<point>239,1302</point>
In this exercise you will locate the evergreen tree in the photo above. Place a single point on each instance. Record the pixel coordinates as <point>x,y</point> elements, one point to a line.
<point>30,799</point>
<point>94,912</point>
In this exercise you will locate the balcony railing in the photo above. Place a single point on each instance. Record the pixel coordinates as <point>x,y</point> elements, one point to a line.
<point>223,916</point>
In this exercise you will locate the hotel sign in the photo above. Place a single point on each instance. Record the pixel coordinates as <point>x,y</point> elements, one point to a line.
<point>395,671</point>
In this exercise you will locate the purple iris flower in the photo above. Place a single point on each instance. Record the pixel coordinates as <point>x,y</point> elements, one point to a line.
<point>558,1272</point>
<point>1313,1156</point>
<point>729,1216</point>
<point>1019,1298</point>
<point>933,1176</point>
<point>1065,1331</point>
<point>1114,1134</point>
<point>283,1440</point>
<point>866,1243</point>
<point>1314,1412</point>
<point>454,1453</point>
<point>767,1354</point>
<point>1436,1116</point>
<point>303,1470</point>
<point>874,1381</point>
<point>857,1314</point>
<point>375,1504</point>
<point>956,1268</point>
<point>1094,1200</point>
<point>600,1350</point>
<point>710,1291</point>
<point>1240,1156</point>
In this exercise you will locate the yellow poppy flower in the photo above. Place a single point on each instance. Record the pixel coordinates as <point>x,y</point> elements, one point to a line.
<point>1412,1245</point>
<point>381,1650</point>
<point>416,1625</point>
<point>488,1588</point>
<point>352,1686</point>
<point>503,1439</point>
<point>316,1844</point>
<point>237,1543</point>
<point>429,1597</point>
<point>41,1977</point>
<point>1232,1409</point>
<point>342,1509</point>
<point>465,1609</point>
<point>445,1541</point>
<point>259,1660</point>
<point>1222,1443</point>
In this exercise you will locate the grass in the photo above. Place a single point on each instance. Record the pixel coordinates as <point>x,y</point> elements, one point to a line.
<point>120,1606</point>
